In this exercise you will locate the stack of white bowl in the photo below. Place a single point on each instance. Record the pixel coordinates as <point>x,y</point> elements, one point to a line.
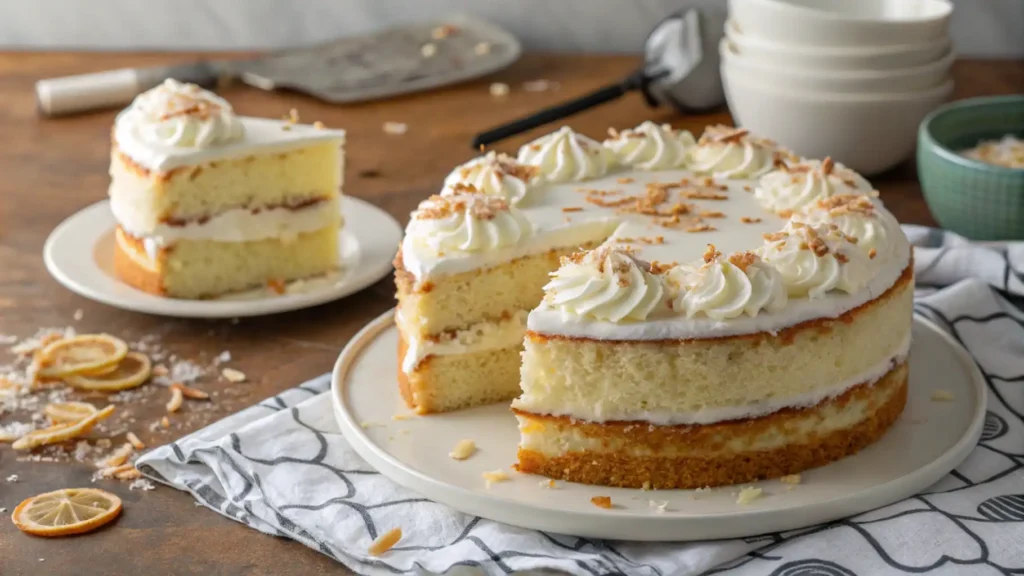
<point>850,79</point>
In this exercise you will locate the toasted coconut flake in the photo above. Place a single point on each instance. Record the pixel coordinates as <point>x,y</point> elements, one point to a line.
<point>790,479</point>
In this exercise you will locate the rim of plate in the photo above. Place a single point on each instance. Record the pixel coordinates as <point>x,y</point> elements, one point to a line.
<point>470,501</point>
<point>376,235</point>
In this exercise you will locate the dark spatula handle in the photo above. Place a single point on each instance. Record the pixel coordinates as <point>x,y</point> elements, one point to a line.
<point>554,113</point>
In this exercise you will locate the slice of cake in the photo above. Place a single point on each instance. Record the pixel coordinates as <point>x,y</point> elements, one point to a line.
<point>209,203</point>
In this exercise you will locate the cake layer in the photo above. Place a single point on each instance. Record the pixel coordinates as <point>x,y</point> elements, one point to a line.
<point>485,295</point>
<point>203,268</point>
<point>639,454</point>
<point>479,337</point>
<point>708,380</point>
<point>239,224</point>
<point>451,382</point>
<point>144,200</point>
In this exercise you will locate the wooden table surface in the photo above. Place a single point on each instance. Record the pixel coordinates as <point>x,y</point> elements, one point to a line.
<point>50,168</point>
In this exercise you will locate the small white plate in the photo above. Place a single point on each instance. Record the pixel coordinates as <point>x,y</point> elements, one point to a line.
<point>930,439</point>
<point>80,255</point>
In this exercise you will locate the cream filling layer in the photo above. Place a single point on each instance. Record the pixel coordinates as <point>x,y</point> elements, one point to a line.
<point>477,338</point>
<point>712,415</point>
<point>235,225</point>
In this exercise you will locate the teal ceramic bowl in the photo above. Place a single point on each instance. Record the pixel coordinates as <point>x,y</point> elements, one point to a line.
<point>978,200</point>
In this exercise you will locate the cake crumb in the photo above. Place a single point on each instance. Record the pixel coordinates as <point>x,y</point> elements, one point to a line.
<point>495,476</point>
<point>318,125</point>
<point>602,501</point>
<point>790,479</point>
<point>428,50</point>
<point>143,484</point>
<point>696,494</point>
<point>943,396</point>
<point>403,416</point>
<point>572,209</point>
<point>443,31</point>
<point>549,483</point>
<point>749,220</point>
<point>499,89</point>
<point>660,507</point>
<point>482,48</point>
<point>464,449</point>
<point>78,315</point>
<point>624,180</point>
<point>748,495</point>
<point>395,128</point>
<point>232,375</point>
<point>385,542</point>
<point>646,485</point>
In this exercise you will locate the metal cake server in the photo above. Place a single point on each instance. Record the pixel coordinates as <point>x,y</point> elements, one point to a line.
<point>680,69</point>
<point>353,69</point>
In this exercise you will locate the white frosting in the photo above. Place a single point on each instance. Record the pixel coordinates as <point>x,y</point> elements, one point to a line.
<point>179,115</point>
<point>798,186</point>
<point>565,156</point>
<point>235,225</point>
<point>651,147</point>
<point>605,284</point>
<point>730,153</point>
<point>259,136</point>
<point>721,290</point>
<point>712,415</point>
<point>876,230</point>
<point>814,260</point>
<point>562,217</point>
<point>466,223</point>
<point>492,174</point>
<point>477,338</point>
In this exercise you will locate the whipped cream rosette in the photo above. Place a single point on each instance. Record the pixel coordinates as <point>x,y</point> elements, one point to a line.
<point>605,284</point>
<point>814,260</point>
<point>492,174</point>
<point>650,146</point>
<point>180,115</point>
<point>722,287</point>
<point>796,186</point>
<point>876,232</point>
<point>566,156</point>
<point>466,223</point>
<point>725,152</point>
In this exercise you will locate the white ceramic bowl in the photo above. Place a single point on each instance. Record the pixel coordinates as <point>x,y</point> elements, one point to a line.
<point>834,23</point>
<point>825,58</point>
<point>846,81</point>
<point>867,132</point>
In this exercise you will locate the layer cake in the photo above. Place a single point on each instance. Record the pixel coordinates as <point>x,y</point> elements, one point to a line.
<point>697,312</point>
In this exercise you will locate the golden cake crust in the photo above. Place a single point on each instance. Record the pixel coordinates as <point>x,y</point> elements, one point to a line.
<point>886,399</point>
<point>129,270</point>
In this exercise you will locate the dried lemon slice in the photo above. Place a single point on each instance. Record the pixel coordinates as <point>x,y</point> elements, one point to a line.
<point>66,512</point>
<point>61,432</point>
<point>86,353</point>
<point>68,411</point>
<point>133,370</point>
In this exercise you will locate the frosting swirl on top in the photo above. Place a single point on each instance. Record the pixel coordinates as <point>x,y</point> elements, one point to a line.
<point>492,174</point>
<point>606,284</point>
<point>723,288</point>
<point>731,153</point>
<point>816,259</point>
<point>876,231</point>
<point>792,187</point>
<point>565,156</point>
<point>466,222</point>
<point>650,146</point>
<point>179,115</point>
